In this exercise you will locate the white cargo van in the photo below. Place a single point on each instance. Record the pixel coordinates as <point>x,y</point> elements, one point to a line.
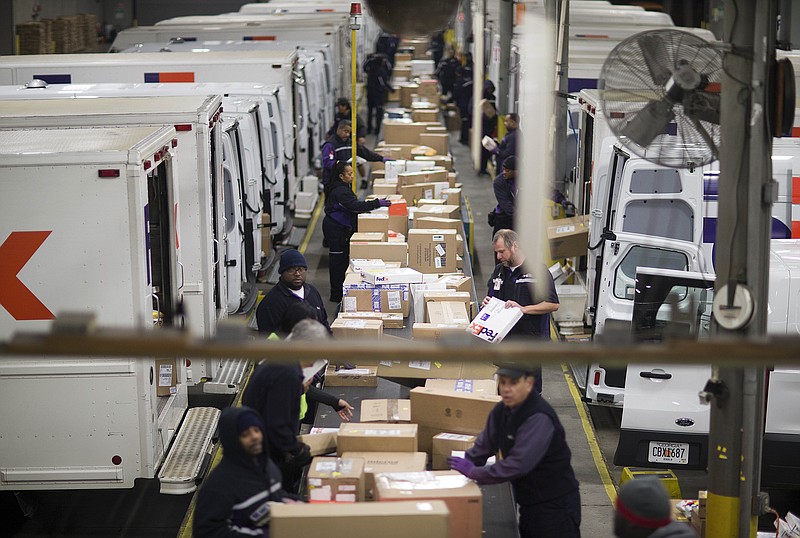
<point>663,422</point>
<point>90,214</point>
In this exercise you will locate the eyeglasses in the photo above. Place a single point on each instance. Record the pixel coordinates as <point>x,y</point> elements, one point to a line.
<point>297,270</point>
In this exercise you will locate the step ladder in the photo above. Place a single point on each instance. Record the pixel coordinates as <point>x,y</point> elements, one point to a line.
<point>189,452</point>
<point>228,379</point>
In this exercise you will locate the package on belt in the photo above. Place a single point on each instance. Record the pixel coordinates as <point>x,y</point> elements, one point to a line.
<point>369,437</point>
<point>387,462</point>
<point>432,296</point>
<point>494,321</point>
<point>396,252</point>
<point>386,410</point>
<point>390,320</point>
<point>432,251</point>
<point>457,282</point>
<point>320,440</point>
<point>336,480</point>
<point>434,331</point>
<point>367,264</point>
<point>389,298</point>
<point>382,275</point>
<point>444,444</point>
<point>360,376</point>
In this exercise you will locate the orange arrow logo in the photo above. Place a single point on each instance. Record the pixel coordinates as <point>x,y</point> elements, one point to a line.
<point>17,299</point>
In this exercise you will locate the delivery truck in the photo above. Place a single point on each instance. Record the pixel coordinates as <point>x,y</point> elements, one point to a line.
<point>89,235</point>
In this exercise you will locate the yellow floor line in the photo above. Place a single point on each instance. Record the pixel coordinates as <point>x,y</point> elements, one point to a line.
<point>312,225</point>
<point>591,437</point>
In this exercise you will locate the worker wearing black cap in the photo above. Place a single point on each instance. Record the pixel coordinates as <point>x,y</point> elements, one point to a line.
<point>528,440</point>
<point>344,112</point>
<point>643,511</point>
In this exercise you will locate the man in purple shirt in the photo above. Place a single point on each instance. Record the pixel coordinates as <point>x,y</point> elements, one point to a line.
<point>528,440</point>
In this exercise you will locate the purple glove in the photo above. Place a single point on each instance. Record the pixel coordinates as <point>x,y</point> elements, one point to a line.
<point>462,465</point>
<point>384,202</point>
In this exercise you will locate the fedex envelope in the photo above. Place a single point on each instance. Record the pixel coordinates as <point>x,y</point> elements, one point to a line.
<point>494,321</point>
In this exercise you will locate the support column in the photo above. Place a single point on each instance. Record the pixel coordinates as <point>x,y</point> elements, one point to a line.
<point>506,32</point>
<point>7,29</point>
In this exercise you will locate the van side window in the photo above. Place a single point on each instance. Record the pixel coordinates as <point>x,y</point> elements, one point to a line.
<point>625,277</point>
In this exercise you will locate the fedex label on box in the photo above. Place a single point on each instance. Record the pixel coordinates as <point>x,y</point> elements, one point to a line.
<point>494,321</point>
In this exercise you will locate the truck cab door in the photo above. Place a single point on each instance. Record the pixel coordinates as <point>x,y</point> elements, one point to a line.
<point>234,223</point>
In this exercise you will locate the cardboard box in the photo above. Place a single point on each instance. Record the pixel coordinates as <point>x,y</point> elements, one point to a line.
<point>462,496</point>
<point>388,298</point>
<point>494,321</point>
<point>360,376</point>
<point>447,211</point>
<point>356,328</point>
<point>431,331</point>
<point>445,161</point>
<point>439,142</point>
<point>356,437</point>
<point>452,120</point>
<point>167,377</point>
<point>432,251</point>
<point>390,320</point>
<point>443,446</point>
<point>320,440</point>
<point>338,480</point>
<point>430,519</point>
<point>402,57</point>
<point>422,176</point>
<point>406,91</point>
<point>402,275</point>
<point>478,370</point>
<point>372,222</point>
<point>390,252</point>
<point>398,223</point>
<point>425,115</point>
<point>437,411</point>
<point>266,232</point>
<point>418,369</point>
<point>438,223</point>
<point>457,283</point>
<point>430,201</point>
<point>400,131</point>
<point>387,462</point>
<point>358,265</point>
<point>470,386</point>
<point>372,237</point>
<point>386,410</point>
<point>568,237</point>
<point>402,151</point>
<point>447,312</point>
<point>418,296</point>
<point>446,295</point>
<point>452,196</point>
<point>384,188</point>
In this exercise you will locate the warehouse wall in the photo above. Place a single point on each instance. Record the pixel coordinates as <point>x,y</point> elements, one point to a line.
<point>50,9</point>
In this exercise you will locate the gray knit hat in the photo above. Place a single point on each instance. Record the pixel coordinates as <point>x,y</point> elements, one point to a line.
<point>644,502</point>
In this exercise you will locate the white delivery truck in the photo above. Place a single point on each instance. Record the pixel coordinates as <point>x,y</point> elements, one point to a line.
<point>88,226</point>
<point>197,171</point>
<point>264,67</point>
<point>311,68</point>
<point>287,29</point>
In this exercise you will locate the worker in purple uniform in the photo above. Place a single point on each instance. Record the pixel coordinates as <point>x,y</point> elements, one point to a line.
<point>528,440</point>
<point>520,288</point>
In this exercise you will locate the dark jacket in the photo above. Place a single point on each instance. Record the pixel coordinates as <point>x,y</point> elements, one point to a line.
<point>507,147</point>
<point>516,286</point>
<point>274,391</point>
<point>234,498</point>
<point>343,206</point>
<point>446,73</point>
<point>274,305</point>
<point>462,89</point>
<point>505,191</point>
<point>553,476</point>
<point>378,69</point>
<point>336,149</point>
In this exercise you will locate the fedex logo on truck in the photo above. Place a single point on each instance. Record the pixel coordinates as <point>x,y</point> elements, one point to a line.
<point>15,252</point>
<point>482,332</point>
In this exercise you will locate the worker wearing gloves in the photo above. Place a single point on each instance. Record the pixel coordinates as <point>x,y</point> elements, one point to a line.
<point>341,211</point>
<point>528,440</point>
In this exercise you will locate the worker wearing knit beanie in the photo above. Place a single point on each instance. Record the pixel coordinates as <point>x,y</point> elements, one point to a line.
<point>643,510</point>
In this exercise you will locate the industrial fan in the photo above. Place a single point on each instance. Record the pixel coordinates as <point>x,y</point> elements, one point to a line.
<point>661,97</point>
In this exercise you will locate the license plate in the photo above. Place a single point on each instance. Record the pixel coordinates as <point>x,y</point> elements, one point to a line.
<point>673,453</point>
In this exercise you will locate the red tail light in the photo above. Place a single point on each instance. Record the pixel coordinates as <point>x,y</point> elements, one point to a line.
<point>110,172</point>
<point>596,377</point>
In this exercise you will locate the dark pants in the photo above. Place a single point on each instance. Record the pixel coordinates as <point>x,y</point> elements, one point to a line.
<point>374,104</point>
<point>486,155</point>
<point>559,518</point>
<point>338,239</point>
<point>466,121</point>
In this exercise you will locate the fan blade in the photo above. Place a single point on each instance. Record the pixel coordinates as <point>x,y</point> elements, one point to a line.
<point>649,122</point>
<point>655,55</point>
<point>702,106</point>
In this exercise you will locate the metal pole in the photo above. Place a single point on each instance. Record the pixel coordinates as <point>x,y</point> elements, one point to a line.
<point>742,263</point>
<point>562,87</point>
<point>355,16</point>
<point>506,32</point>
<point>477,81</point>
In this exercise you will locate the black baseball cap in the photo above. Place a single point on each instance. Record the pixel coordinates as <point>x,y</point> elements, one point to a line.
<point>514,370</point>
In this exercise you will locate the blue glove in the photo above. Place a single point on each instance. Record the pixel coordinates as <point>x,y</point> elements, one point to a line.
<point>462,465</point>
<point>384,202</point>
